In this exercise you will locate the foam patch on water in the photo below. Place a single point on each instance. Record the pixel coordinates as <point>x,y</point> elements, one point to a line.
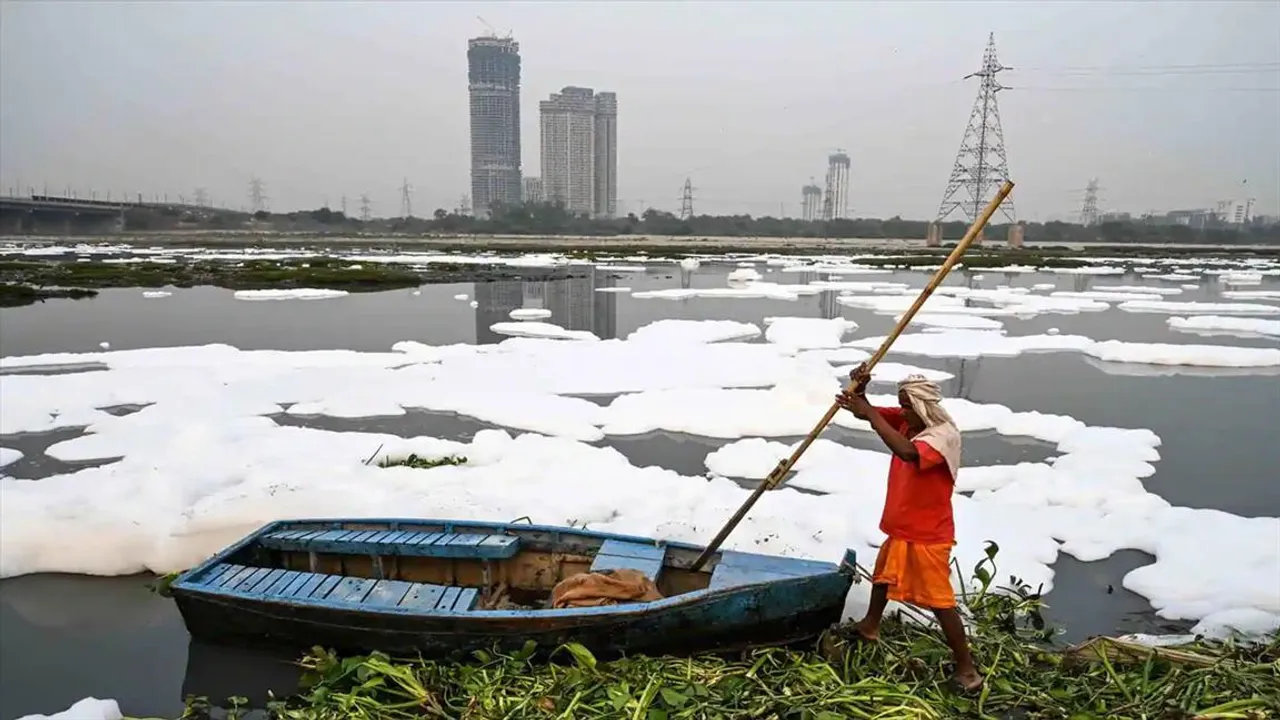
<point>980,343</point>
<point>153,294</point>
<point>1220,325</point>
<point>803,333</point>
<point>9,456</point>
<point>90,708</point>
<point>1141,289</point>
<point>290,294</point>
<point>693,331</point>
<point>771,291</point>
<point>540,330</point>
<point>954,321</point>
<point>1187,308</point>
<point>1251,294</point>
<point>529,314</point>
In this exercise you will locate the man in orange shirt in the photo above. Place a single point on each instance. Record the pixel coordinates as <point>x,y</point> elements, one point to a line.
<point>914,563</point>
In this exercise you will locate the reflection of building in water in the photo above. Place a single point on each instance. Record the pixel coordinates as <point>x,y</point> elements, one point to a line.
<point>828,306</point>
<point>686,279</point>
<point>573,302</point>
<point>966,376</point>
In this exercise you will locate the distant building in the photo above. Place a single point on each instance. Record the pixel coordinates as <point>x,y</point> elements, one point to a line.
<point>1235,212</point>
<point>580,151</point>
<point>605,202</point>
<point>533,190</point>
<point>493,82</point>
<point>1198,219</point>
<point>1115,216</point>
<point>810,201</point>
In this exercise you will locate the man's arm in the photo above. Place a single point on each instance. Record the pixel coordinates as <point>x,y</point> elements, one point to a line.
<point>855,401</point>
<point>897,442</point>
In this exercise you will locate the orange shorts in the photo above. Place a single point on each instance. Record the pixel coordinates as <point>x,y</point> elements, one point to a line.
<point>916,573</point>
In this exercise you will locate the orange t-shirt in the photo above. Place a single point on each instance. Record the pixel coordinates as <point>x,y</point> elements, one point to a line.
<point>917,506</point>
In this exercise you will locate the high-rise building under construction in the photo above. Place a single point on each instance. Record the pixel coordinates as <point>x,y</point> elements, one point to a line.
<point>579,131</point>
<point>493,81</point>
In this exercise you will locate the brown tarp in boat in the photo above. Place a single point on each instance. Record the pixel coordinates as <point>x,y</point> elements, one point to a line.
<point>604,588</point>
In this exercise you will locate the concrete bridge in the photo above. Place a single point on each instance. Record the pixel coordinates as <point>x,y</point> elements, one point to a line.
<point>53,214</point>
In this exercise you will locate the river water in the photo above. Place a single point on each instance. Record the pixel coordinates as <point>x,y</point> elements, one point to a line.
<point>64,637</point>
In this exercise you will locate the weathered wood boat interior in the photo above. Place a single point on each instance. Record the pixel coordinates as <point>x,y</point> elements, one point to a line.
<point>458,568</point>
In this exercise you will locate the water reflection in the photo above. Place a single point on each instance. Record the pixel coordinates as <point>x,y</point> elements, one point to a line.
<point>573,302</point>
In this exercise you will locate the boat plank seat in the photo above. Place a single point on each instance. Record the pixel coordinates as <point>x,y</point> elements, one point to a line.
<point>414,543</point>
<point>316,588</point>
<point>620,554</point>
<point>736,569</point>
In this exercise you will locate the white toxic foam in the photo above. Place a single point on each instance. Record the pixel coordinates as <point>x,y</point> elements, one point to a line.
<point>204,463</point>
<point>693,331</point>
<point>1140,289</point>
<point>9,455</point>
<point>802,333</point>
<point>89,708</point>
<point>770,291</point>
<point>1186,308</point>
<point>980,343</point>
<point>1251,294</point>
<point>153,294</point>
<point>289,294</point>
<point>529,314</point>
<point>954,321</point>
<point>1220,325</point>
<point>744,274</point>
<point>530,328</point>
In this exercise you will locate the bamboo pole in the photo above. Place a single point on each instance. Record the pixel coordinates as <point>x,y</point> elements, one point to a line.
<point>784,466</point>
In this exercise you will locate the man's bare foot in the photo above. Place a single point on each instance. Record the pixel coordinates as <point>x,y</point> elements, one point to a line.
<point>866,631</point>
<point>967,680</point>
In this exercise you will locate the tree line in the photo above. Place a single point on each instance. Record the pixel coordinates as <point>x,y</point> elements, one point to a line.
<point>553,219</point>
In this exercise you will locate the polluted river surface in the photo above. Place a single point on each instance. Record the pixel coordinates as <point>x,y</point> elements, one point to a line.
<point>66,635</point>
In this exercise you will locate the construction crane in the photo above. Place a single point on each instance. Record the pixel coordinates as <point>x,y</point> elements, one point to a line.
<point>493,31</point>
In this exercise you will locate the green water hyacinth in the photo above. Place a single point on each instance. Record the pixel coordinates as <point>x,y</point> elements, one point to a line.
<point>902,676</point>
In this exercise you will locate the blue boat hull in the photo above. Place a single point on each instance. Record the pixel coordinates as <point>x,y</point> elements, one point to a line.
<point>745,599</point>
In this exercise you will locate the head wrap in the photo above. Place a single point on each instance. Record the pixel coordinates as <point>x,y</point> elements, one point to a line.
<point>926,400</point>
<point>940,431</point>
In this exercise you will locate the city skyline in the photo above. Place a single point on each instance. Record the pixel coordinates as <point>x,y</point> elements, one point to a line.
<point>1171,105</point>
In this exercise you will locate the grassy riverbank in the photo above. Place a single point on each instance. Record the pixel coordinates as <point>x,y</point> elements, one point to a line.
<point>23,282</point>
<point>902,676</point>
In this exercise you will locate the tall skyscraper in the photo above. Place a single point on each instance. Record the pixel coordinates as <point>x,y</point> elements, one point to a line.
<point>606,155</point>
<point>493,80</point>
<point>580,150</point>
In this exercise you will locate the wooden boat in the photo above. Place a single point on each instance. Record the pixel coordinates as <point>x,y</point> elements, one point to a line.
<point>430,587</point>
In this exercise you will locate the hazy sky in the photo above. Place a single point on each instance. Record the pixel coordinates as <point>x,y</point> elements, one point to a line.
<point>325,99</point>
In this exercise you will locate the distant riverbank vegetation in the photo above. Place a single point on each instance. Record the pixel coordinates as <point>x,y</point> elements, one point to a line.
<point>542,219</point>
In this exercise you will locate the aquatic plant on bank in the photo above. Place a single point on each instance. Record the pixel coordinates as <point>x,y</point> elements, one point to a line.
<point>413,460</point>
<point>904,675</point>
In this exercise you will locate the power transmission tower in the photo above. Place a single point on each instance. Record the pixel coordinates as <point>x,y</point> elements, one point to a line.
<point>1089,213</point>
<point>257,195</point>
<point>364,207</point>
<point>981,165</point>
<point>344,205</point>
<point>406,200</point>
<point>202,197</point>
<point>686,200</point>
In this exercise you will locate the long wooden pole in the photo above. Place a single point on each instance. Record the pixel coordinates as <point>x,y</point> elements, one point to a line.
<point>784,466</point>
